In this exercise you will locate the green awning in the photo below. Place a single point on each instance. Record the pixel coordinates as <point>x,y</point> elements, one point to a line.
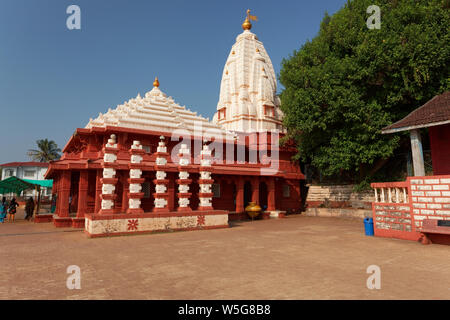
<point>16,185</point>
<point>42,183</point>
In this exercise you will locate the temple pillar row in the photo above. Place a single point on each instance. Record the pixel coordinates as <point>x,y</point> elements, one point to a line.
<point>135,189</point>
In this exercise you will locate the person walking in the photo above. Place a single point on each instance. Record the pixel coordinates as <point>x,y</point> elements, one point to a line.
<point>29,208</point>
<point>12,208</point>
<point>3,208</point>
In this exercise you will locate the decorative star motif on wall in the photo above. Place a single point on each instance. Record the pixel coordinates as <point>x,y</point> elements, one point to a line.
<point>133,225</point>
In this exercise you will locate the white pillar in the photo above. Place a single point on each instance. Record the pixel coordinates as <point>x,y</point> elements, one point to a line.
<point>205,182</point>
<point>417,153</point>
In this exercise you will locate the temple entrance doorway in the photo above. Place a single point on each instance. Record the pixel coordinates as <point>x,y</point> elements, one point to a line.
<point>247,193</point>
<point>263,196</point>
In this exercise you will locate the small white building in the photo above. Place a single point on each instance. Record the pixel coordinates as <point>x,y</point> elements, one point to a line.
<point>26,170</point>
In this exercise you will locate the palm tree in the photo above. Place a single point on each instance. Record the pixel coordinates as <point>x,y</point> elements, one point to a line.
<point>47,151</point>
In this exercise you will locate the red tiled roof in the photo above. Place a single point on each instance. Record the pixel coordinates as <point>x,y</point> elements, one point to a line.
<point>25,164</point>
<point>434,112</point>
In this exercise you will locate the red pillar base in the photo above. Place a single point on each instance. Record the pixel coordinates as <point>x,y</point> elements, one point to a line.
<point>159,210</point>
<point>106,211</point>
<point>266,215</point>
<point>62,222</point>
<point>181,209</point>
<point>205,208</point>
<point>137,210</point>
<point>77,223</point>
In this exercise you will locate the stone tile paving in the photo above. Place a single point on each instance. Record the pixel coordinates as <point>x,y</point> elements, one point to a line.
<point>294,258</point>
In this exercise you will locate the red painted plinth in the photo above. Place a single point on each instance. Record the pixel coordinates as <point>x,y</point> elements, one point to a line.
<point>64,222</point>
<point>43,218</point>
<point>187,209</point>
<point>184,181</point>
<point>138,210</point>
<point>203,181</point>
<point>77,222</point>
<point>206,195</point>
<point>109,180</point>
<point>106,211</point>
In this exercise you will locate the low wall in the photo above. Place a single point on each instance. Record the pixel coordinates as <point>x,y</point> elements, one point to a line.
<point>338,213</point>
<point>126,224</point>
<point>338,196</point>
<point>400,215</point>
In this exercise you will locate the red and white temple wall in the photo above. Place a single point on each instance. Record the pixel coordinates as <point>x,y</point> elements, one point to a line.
<point>400,208</point>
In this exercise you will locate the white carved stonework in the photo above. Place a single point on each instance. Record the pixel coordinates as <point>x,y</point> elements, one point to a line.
<point>160,188</point>
<point>107,204</point>
<point>161,175</point>
<point>183,202</point>
<point>183,175</point>
<point>134,203</point>
<point>136,145</point>
<point>206,151</point>
<point>206,163</point>
<point>183,188</point>
<point>160,203</point>
<point>135,173</point>
<point>112,142</point>
<point>162,147</point>
<point>161,161</point>
<point>184,162</point>
<point>205,175</point>
<point>205,188</point>
<point>205,202</point>
<point>108,188</point>
<point>136,158</point>
<point>109,173</point>
<point>135,188</point>
<point>109,157</point>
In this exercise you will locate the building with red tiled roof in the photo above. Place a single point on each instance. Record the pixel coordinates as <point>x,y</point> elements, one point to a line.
<point>434,115</point>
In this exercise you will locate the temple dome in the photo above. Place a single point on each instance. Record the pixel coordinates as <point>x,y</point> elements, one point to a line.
<point>248,101</point>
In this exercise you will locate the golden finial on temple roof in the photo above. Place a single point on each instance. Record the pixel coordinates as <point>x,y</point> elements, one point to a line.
<point>156,83</point>
<point>247,25</point>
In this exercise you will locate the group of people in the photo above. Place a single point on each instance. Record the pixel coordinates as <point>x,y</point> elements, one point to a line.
<point>9,209</point>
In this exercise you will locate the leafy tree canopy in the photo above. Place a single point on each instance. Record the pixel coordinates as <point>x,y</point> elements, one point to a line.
<point>349,82</point>
<point>47,150</point>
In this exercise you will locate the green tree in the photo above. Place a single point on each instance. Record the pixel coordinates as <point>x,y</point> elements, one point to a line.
<point>46,152</point>
<point>345,85</point>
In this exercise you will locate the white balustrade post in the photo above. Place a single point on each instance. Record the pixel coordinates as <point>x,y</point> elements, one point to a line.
<point>184,181</point>
<point>109,179</point>
<point>135,193</point>
<point>162,195</point>
<point>205,181</point>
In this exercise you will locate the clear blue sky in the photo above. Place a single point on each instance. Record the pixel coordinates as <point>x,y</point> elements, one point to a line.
<point>52,80</point>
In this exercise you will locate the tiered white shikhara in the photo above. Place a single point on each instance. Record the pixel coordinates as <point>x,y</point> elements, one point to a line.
<point>109,175</point>
<point>248,89</point>
<point>205,181</point>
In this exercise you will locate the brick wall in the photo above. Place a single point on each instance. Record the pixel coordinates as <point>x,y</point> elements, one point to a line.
<point>427,198</point>
<point>430,198</point>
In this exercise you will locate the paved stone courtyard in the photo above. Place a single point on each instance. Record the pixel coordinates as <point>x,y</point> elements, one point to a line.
<point>294,258</point>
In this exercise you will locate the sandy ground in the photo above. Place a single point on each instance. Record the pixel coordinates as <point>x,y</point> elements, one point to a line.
<point>294,258</point>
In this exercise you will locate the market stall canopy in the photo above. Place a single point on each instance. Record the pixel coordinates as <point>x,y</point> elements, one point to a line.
<point>16,185</point>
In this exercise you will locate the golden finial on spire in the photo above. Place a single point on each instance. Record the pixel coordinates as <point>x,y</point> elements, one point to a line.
<point>156,83</point>
<point>247,25</point>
